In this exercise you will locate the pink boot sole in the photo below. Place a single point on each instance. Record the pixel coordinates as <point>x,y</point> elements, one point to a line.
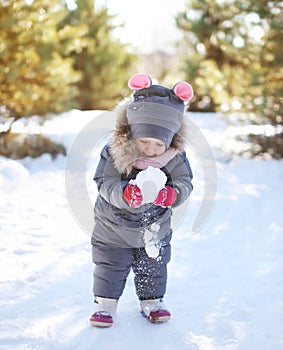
<point>101,319</point>
<point>158,316</point>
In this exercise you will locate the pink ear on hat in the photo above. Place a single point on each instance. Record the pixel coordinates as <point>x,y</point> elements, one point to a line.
<point>183,90</point>
<point>139,81</point>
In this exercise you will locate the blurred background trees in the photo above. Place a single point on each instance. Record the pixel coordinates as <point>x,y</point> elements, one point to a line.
<point>101,61</point>
<point>234,59</point>
<point>35,78</point>
<point>53,58</point>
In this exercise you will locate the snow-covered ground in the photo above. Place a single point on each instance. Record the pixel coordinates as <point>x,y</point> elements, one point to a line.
<point>225,289</point>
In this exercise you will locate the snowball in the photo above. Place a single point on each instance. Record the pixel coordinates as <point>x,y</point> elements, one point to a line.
<point>150,181</point>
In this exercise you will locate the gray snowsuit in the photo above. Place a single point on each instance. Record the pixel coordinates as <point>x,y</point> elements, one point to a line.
<point>118,243</point>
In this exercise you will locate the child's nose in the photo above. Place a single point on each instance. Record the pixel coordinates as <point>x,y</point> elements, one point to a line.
<point>150,149</point>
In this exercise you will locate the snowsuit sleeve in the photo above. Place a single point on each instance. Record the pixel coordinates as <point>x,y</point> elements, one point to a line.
<point>111,184</point>
<point>109,181</point>
<point>180,177</point>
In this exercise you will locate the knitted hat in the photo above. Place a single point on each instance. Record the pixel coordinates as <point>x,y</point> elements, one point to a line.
<point>156,111</point>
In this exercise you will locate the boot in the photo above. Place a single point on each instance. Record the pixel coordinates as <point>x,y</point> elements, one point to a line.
<point>105,310</point>
<point>154,310</point>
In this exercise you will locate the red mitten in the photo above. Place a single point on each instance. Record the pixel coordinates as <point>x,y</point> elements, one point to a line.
<point>166,197</point>
<point>133,196</point>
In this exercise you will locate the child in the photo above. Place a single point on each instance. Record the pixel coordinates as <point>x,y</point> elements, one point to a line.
<point>143,172</point>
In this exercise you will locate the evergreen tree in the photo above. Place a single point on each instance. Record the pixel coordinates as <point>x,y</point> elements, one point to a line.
<point>102,61</point>
<point>34,77</point>
<point>237,57</point>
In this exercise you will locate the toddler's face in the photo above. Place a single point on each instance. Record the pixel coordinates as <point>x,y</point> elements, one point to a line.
<point>149,147</point>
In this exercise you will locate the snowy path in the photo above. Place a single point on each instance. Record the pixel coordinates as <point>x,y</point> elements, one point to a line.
<point>225,288</point>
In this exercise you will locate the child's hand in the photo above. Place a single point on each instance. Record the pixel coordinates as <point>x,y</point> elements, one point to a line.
<point>133,196</point>
<point>166,197</point>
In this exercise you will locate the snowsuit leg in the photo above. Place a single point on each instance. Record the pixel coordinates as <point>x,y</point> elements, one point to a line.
<point>151,273</point>
<point>112,267</point>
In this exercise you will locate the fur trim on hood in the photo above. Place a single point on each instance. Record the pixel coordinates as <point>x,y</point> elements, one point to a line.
<point>123,148</point>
